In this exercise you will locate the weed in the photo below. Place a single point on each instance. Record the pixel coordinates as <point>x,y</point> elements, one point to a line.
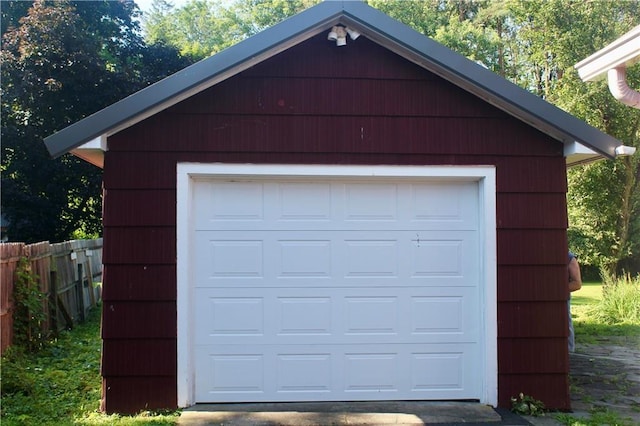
<point>588,324</point>
<point>620,303</point>
<point>55,384</point>
<point>60,384</point>
<point>29,317</point>
<point>527,405</point>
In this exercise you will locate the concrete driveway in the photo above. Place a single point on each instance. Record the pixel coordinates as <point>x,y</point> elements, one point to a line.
<point>348,413</point>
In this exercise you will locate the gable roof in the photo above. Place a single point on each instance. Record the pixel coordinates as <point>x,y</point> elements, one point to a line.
<point>575,134</point>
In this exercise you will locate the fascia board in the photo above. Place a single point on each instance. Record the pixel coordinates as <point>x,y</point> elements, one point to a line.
<point>374,24</point>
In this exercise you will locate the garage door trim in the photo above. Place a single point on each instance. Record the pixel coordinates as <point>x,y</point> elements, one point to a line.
<point>187,173</point>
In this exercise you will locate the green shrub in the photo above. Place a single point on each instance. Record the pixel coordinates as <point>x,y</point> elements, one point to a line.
<point>620,303</point>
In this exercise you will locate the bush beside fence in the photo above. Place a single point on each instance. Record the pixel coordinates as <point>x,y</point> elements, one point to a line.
<point>66,273</point>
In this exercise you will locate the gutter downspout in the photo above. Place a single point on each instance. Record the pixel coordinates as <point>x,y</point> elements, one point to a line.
<point>617,78</point>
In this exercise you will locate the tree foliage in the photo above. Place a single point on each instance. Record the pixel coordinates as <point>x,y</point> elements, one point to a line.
<point>62,61</point>
<point>202,28</point>
<point>603,197</point>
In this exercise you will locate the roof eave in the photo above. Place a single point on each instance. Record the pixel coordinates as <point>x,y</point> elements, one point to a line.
<point>194,78</point>
<point>373,24</point>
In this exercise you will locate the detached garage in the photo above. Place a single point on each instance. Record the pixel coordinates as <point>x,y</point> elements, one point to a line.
<point>292,220</point>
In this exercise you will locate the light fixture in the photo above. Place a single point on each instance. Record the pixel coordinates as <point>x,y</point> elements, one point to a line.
<point>333,35</point>
<point>339,33</point>
<point>352,33</point>
<point>342,36</point>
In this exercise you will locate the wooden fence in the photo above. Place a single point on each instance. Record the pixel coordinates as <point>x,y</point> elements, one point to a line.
<point>66,274</point>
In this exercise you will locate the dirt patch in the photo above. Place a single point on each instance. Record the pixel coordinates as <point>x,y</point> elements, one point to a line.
<point>606,375</point>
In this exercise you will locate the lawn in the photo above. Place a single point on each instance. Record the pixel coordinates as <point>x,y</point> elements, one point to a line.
<point>582,302</point>
<point>589,294</point>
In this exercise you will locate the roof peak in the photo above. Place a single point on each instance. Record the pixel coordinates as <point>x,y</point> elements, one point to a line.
<point>372,24</point>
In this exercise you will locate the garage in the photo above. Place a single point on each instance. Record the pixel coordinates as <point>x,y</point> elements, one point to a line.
<point>334,287</point>
<point>294,220</point>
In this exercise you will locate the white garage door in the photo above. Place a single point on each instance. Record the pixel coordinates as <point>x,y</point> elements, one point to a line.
<point>324,289</point>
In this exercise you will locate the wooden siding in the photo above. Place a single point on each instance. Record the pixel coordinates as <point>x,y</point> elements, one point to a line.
<point>140,282</point>
<point>132,394</point>
<point>318,104</point>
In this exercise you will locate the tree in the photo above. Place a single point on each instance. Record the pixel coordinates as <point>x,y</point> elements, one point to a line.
<point>202,28</point>
<point>63,61</point>
<point>604,197</point>
<point>254,16</point>
<point>198,29</point>
<point>479,30</point>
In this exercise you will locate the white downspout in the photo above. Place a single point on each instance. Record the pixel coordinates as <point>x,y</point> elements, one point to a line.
<point>619,88</point>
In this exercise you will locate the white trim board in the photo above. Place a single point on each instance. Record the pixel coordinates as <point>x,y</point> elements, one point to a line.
<point>484,175</point>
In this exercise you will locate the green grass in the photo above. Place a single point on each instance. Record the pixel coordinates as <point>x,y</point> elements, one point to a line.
<point>589,294</point>
<point>596,418</point>
<point>586,310</point>
<point>61,384</point>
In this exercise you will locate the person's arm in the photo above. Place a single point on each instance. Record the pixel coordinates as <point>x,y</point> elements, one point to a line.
<point>575,279</point>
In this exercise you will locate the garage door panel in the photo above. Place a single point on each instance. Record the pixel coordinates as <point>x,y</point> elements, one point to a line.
<point>349,258</point>
<point>247,204</point>
<point>435,204</point>
<point>225,258</point>
<point>340,316</point>
<point>368,202</point>
<point>327,205</point>
<point>333,373</point>
<point>334,289</point>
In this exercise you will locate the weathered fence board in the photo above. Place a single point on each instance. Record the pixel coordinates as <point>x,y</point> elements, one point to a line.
<point>10,253</point>
<point>66,274</point>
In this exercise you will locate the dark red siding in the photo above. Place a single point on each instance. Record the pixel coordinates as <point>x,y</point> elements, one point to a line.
<point>318,104</point>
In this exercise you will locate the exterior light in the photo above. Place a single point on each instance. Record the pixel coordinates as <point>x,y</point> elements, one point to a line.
<point>352,33</point>
<point>333,36</point>
<point>342,36</point>
<point>339,33</point>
